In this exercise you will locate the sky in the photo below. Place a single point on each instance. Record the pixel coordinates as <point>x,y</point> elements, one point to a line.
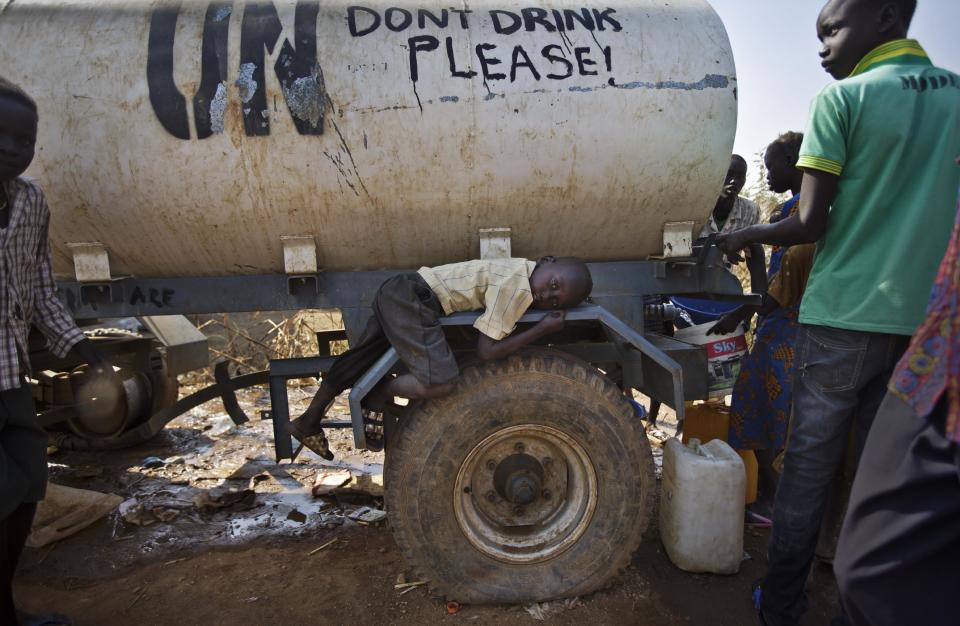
<point>778,71</point>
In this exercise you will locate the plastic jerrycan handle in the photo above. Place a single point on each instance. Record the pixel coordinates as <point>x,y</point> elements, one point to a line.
<point>699,449</point>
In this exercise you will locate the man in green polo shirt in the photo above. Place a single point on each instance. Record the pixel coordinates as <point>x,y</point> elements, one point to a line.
<point>878,197</point>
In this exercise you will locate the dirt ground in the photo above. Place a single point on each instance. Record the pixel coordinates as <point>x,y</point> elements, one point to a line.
<point>257,561</point>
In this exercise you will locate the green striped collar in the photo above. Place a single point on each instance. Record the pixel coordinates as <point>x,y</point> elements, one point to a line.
<point>888,51</point>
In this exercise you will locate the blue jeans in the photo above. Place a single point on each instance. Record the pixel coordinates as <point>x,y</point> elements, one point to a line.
<point>841,379</point>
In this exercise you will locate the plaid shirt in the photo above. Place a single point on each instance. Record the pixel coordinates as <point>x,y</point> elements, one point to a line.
<point>744,213</point>
<point>27,291</point>
<point>501,287</point>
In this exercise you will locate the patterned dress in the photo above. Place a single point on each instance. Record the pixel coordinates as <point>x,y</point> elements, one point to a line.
<point>763,393</point>
<point>930,368</point>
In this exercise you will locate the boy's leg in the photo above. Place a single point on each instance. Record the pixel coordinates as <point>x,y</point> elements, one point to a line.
<point>409,313</point>
<point>345,371</point>
<point>898,553</point>
<point>835,367</point>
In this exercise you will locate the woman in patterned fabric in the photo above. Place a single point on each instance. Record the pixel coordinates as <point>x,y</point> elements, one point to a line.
<point>762,394</point>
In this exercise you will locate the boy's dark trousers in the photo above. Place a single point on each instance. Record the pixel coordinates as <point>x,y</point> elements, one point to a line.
<point>840,382</point>
<point>897,561</point>
<point>406,316</point>
<point>23,476</point>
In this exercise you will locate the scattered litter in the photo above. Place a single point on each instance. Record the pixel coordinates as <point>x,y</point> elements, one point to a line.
<point>173,460</point>
<point>152,462</point>
<point>236,500</point>
<point>220,426</point>
<point>326,482</point>
<point>543,610</point>
<point>367,515</point>
<point>343,483</point>
<point>252,599</point>
<point>409,585</point>
<point>329,543</point>
<point>66,510</point>
<point>401,578</point>
<point>175,561</point>
<point>746,556</point>
<point>408,590</point>
<point>453,608</point>
<point>132,512</point>
<point>296,516</point>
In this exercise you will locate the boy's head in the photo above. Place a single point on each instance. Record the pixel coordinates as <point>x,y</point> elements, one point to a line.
<point>18,130</point>
<point>780,159</point>
<point>736,176</point>
<point>849,29</point>
<point>560,282</point>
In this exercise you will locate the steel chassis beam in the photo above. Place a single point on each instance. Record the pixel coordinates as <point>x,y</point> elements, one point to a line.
<point>282,370</point>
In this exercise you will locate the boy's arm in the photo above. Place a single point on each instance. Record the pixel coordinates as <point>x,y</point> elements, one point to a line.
<point>807,226</point>
<point>50,317</point>
<point>490,349</point>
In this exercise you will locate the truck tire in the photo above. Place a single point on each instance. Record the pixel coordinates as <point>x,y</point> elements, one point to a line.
<point>532,481</point>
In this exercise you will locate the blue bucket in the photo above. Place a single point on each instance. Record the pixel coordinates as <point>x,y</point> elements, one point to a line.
<point>704,311</point>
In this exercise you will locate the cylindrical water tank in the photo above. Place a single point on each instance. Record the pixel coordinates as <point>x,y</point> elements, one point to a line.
<point>189,137</point>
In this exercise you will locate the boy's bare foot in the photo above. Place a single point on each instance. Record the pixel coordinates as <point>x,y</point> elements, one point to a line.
<point>310,422</point>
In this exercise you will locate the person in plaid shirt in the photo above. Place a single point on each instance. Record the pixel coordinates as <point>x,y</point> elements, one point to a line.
<point>27,298</point>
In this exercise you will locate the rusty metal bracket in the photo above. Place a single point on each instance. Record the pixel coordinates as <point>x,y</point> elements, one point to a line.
<point>228,395</point>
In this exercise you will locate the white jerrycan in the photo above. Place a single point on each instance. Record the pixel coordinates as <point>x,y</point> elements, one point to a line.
<point>701,506</point>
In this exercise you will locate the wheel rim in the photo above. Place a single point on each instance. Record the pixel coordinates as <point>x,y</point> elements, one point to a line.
<point>525,494</point>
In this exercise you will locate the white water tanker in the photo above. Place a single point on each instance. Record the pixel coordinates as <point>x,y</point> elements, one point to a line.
<point>188,138</point>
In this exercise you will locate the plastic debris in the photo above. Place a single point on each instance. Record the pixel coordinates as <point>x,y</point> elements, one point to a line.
<point>237,500</point>
<point>367,515</point>
<point>453,608</point>
<point>152,462</point>
<point>327,482</point>
<point>541,611</point>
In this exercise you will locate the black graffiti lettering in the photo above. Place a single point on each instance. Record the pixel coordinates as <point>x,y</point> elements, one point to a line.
<point>554,54</point>
<point>558,20</point>
<point>213,69</point>
<point>532,17</point>
<point>498,26</point>
<point>168,103</point>
<point>608,58</point>
<point>486,62</point>
<point>453,64</point>
<point>352,21</point>
<point>405,19</point>
<point>420,43</point>
<point>583,61</point>
<point>296,68</point>
<point>462,14</point>
<point>440,22</point>
<point>518,52</point>
<point>604,16</point>
<point>137,296</point>
<point>584,17</point>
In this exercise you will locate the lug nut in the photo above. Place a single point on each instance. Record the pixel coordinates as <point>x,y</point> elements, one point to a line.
<point>519,447</point>
<point>491,496</point>
<point>491,465</point>
<point>546,494</point>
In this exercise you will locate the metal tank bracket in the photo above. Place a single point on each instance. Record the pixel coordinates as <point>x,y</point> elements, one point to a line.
<point>495,243</point>
<point>91,264</point>
<point>677,239</point>
<point>300,264</point>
